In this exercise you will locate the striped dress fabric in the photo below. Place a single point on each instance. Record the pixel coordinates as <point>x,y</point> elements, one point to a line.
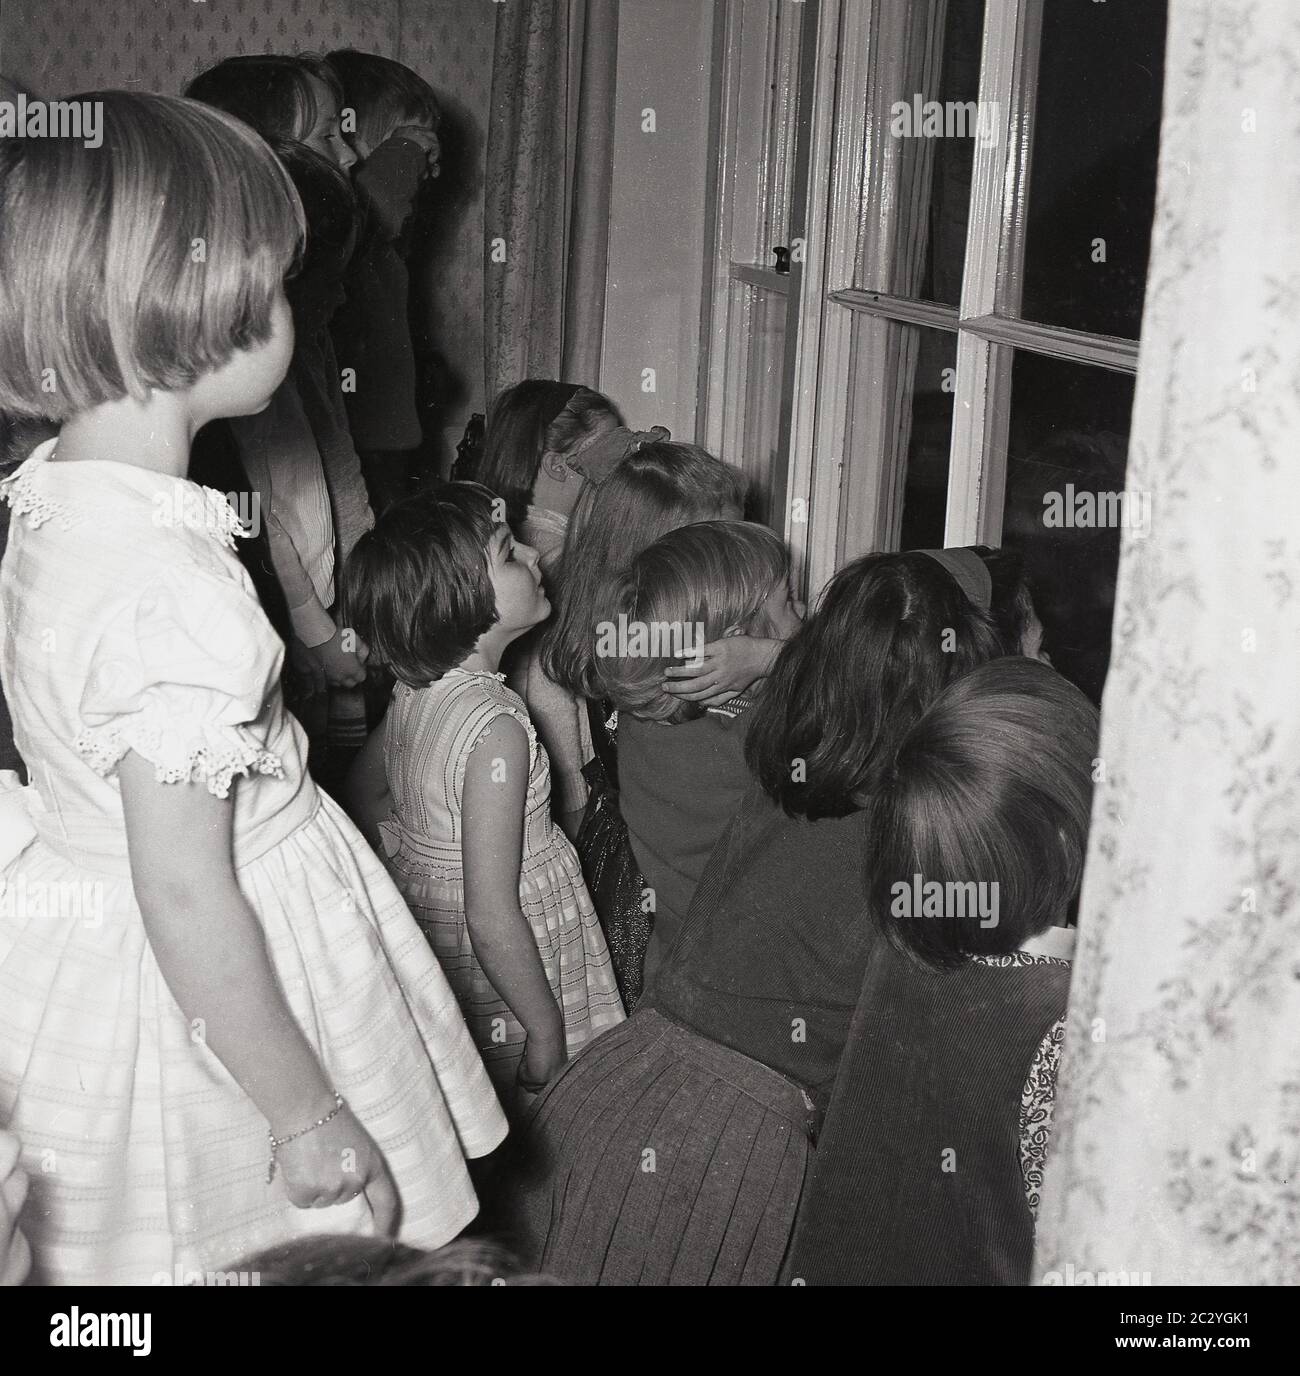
<point>429,735</point>
<point>130,624</point>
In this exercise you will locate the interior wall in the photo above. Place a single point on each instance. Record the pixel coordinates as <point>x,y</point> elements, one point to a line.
<point>56,47</point>
<point>658,229</point>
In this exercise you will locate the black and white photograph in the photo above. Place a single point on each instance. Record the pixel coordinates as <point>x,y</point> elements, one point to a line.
<point>650,643</point>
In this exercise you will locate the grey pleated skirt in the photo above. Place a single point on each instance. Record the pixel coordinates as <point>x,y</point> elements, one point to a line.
<point>658,1157</point>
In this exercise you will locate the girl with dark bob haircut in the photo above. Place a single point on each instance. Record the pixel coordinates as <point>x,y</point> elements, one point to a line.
<point>956,1039</point>
<point>454,790</point>
<point>993,779</point>
<point>419,592</point>
<point>855,677</point>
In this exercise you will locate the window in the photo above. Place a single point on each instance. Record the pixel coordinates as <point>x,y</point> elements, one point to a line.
<point>973,341</point>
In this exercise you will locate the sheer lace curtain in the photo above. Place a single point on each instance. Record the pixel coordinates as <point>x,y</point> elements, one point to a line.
<point>546,203</point>
<point>1176,1152</point>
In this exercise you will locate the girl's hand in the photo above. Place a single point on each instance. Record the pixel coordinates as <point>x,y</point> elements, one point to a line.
<point>335,1163</point>
<point>424,138</point>
<point>727,667</point>
<point>309,677</point>
<point>341,668</point>
<point>544,1058</point>
<point>15,1254</point>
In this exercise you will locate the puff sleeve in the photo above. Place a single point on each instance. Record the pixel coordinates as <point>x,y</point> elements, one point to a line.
<point>181,674</point>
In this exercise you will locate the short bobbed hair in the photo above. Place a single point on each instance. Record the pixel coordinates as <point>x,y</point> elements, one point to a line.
<point>271,93</point>
<point>528,420</point>
<point>711,577</point>
<point>144,263</point>
<point>419,589</point>
<point>890,631</point>
<point>992,785</point>
<point>657,488</point>
<point>384,94</point>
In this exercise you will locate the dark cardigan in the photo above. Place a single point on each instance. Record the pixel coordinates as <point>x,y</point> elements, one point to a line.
<point>770,959</point>
<point>917,1178</point>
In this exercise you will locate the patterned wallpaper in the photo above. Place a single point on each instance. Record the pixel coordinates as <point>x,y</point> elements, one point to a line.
<point>55,47</point>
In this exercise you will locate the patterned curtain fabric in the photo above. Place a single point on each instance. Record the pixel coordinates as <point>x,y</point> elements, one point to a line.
<point>549,160</point>
<point>1176,1151</point>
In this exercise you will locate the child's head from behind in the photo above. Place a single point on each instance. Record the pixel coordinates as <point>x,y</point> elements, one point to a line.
<point>988,800</point>
<point>535,421</point>
<point>694,585</point>
<point>385,96</point>
<point>295,97</point>
<point>154,262</point>
<point>437,574</point>
<point>889,632</point>
<point>661,486</point>
<point>1012,602</point>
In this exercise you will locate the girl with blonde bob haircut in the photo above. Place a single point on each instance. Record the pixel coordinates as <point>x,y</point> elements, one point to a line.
<point>245,1040</point>
<point>680,787</point>
<point>151,271</point>
<point>696,584</point>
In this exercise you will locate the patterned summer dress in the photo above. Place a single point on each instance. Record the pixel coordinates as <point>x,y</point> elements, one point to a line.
<point>429,735</point>
<point>130,624</point>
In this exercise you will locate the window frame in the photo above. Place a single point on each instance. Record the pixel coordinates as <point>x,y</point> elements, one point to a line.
<point>843,412</point>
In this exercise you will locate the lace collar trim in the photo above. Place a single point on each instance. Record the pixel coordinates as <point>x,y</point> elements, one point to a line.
<point>177,502</point>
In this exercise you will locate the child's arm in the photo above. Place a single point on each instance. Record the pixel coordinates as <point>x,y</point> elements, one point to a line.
<point>727,667</point>
<point>211,950</point>
<point>492,805</point>
<point>320,642</point>
<point>365,792</point>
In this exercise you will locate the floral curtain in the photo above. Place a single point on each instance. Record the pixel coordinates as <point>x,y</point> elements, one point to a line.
<point>1176,1152</point>
<point>546,203</point>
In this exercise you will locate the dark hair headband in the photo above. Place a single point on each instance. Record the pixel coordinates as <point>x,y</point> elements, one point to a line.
<point>968,570</point>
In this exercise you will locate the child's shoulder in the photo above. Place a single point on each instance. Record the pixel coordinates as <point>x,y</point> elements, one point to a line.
<point>101,502</point>
<point>482,700</point>
<point>471,697</point>
<point>109,530</point>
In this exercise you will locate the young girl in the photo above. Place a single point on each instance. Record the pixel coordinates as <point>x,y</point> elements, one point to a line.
<point>722,1070</point>
<point>957,1034</point>
<point>638,487</point>
<point>534,430</point>
<point>397,119</point>
<point>219,1026</point>
<point>456,791</point>
<point>682,768</point>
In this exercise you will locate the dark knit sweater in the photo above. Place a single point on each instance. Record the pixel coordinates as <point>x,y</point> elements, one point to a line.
<point>917,1177</point>
<point>771,955</point>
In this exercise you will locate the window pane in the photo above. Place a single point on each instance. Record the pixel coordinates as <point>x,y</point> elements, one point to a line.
<point>927,104</point>
<point>899,436</point>
<point>925,493</point>
<point>758,321</point>
<point>1093,165</point>
<point>953,158</point>
<point>1068,442</point>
